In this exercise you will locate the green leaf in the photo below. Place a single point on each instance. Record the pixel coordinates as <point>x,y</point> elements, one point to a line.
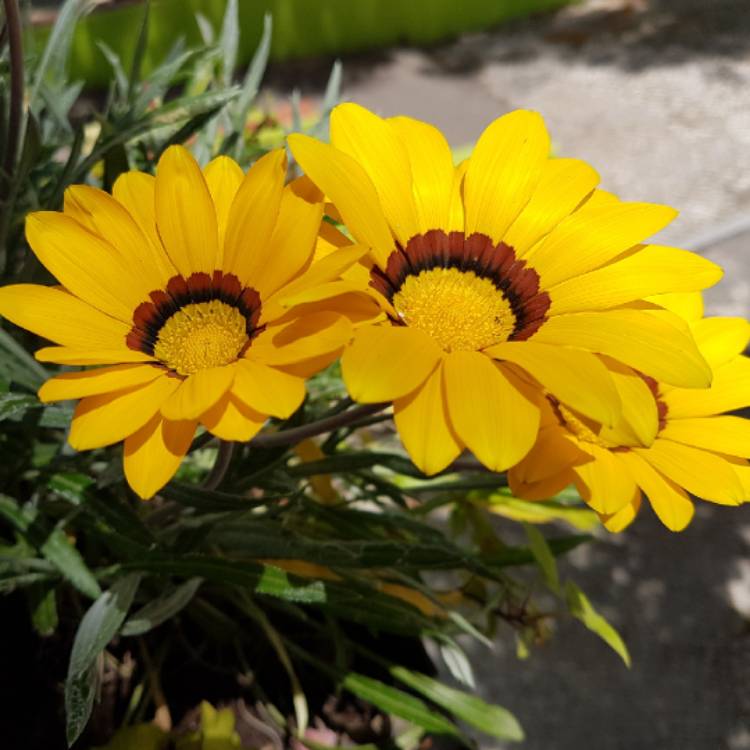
<point>391,700</point>
<point>43,605</point>
<point>540,511</point>
<point>229,40</point>
<point>59,550</point>
<point>543,556</point>
<point>581,608</point>
<point>98,626</point>
<point>140,50</point>
<point>162,609</point>
<point>490,719</point>
<point>254,75</point>
<point>210,500</point>
<point>15,404</point>
<point>17,365</point>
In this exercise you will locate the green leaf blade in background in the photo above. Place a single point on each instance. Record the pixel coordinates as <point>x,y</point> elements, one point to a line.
<point>161,609</point>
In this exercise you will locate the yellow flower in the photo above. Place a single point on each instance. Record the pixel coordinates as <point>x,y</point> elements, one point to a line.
<point>177,283</point>
<point>669,441</point>
<point>504,274</point>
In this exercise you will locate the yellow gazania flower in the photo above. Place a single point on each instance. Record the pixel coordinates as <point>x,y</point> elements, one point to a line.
<point>510,263</point>
<point>669,442</point>
<point>177,283</point>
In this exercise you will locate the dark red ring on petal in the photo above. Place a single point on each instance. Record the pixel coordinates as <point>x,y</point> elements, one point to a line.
<point>149,317</point>
<point>477,253</point>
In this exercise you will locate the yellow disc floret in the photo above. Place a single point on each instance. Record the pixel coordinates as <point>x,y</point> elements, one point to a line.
<point>458,309</point>
<point>201,335</point>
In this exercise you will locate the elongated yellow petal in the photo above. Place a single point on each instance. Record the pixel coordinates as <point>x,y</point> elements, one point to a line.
<point>489,413</point>
<point>268,390</point>
<point>72,385</point>
<point>688,305</point>
<point>456,210</point>
<point>424,428</point>
<point>185,214</point>
<point>231,419</point>
<point>110,219</point>
<point>573,376</point>
<point>346,183</point>
<point>85,264</point>
<point>590,238</point>
<point>619,521</point>
<point>253,216</point>
<point>387,362</point>
<point>721,339</point>
<point>725,434</point>
<point>431,169</point>
<point>604,483</point>
<point>152,455</point>
<point>650,270</point>
<point>198,393</point>
<point>670,502</point>
<point>375,145</point>
<point>111,417</point>
<point>303,338</point>
<point>564,183</point>
<point>729,391</point>
<point>63,355</point>
<point>554,451</point>
<point>638,338</point>
<point>223,177</point>
<point>702,473</point>
<point>54,314</point>
<point>504,171</point>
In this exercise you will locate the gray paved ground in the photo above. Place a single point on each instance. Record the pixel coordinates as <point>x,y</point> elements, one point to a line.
<point>656,95</point>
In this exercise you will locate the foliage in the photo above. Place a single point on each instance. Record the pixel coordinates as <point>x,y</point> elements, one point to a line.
<point>305,574</point>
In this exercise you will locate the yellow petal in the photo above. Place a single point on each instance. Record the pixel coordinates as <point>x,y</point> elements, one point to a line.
<point>85,264</point>
<point>688,305</point>
<point>431,169</point>
<point>729,390</point>
<point>71,385</point>
<point>375,145</point>
<point>111,417</point>
<point>290,248</point>
<point>563,185</point>
<point>268,390</point>
<point>387,362</point>
<point>152,455</point>
<point>619,521</point>
<point>604,483</point>
<point>590,238</point>
<point>253,216</point>
<point>346,183</point>
<point>638,338</point>
<point>56,315</point>
<point>223,177</point>
<point>504,170</point>
<point>721,339</point>
<point>456,209</point>
<point>110,219</point>
<point>231,419</point>
<point>544,489</point>
<point>63,355</point>
<point>669,501</point>
<point>303,338</point>
<point>185,214</point>
<point>573,376</point>
<point>495,419</point>
<point>422,422</point>
<point>725,434</point>
<point>701,473</point>
<point>136,192</point>
<point>650,270</point>
<point>198,393</point>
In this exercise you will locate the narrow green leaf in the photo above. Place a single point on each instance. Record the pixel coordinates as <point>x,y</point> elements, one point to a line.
<point>162,609</point>
<point>140,50</point>
<point>15,404</point>
<point>17,365</point>
<point>543,556</point>
<point>59,550</point>
<point>538,511</point>
<point>116,64</point>
<point>98,626</point>
<point>391,700</point>
<point>581,608</point>
<point>488,718</point>
<point>43,606</point>
<point>254,75</point>
<point>229,40</point>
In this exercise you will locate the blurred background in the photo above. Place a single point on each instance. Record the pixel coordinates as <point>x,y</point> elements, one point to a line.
<point>656,95</point>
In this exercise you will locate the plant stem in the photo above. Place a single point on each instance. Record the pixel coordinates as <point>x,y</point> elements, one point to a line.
<point>15,43</point>
<point>221,465</point>
<point>328,424</point>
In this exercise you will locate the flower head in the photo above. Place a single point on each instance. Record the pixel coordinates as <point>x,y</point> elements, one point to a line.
<point>668,442</point>
<point>177,285</point>
<point>500,279</point>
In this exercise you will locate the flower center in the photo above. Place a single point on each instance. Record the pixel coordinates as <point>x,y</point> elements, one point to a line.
<point>202,335</point>
<point>458,309</point>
